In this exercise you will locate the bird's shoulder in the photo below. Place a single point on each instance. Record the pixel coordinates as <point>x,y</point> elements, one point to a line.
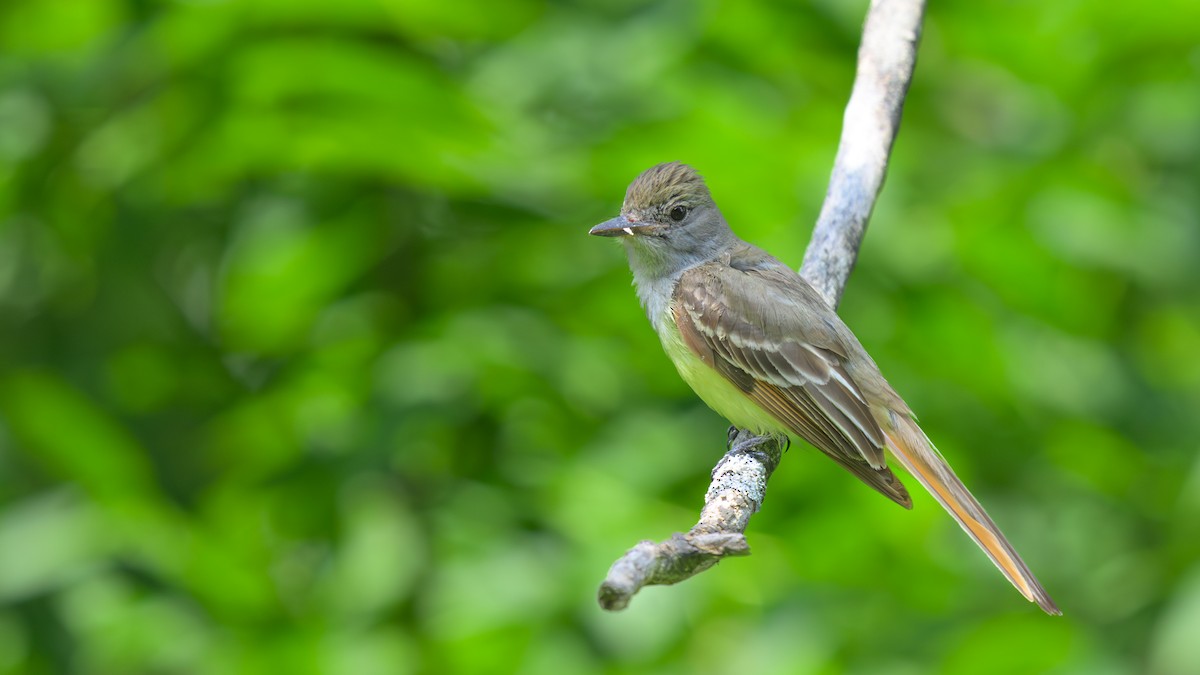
<point>748,292</point>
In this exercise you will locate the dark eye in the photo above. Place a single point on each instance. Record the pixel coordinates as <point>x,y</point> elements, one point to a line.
<point>677,214</point>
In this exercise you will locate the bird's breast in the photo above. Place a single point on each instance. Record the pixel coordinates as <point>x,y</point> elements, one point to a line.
<point>710,385</point>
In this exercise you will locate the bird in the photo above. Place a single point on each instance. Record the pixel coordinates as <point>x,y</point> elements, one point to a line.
<point>762,348</point>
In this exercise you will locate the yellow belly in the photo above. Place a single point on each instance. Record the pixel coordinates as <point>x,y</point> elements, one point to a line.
<point>711,386</point>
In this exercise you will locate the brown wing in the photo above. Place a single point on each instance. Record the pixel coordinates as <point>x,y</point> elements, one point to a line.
<point>756,322</point>
<point>768,332</point>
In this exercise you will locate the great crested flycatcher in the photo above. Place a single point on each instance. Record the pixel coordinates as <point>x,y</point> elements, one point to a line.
<point>762,348</point>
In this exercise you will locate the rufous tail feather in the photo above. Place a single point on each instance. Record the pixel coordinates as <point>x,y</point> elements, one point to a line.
<point>916,454</point>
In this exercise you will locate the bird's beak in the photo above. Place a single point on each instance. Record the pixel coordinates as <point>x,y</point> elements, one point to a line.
<point>617,227</point>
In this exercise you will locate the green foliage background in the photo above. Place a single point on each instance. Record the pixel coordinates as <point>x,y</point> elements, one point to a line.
<point>307,364</point>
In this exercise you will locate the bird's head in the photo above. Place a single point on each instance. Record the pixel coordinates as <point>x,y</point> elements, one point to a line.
<point>669,217</point>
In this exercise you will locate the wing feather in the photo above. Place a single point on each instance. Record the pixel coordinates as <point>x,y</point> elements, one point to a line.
<point>791,361</point>
<point>803,385</point>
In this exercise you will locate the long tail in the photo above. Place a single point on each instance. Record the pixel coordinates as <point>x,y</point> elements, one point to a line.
<point>917,455</point>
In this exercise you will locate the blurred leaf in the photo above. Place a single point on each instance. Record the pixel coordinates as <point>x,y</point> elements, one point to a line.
<point>1008,644</point>
<point>78,548</point>
<point>67,433</point>
<point>1175,649</point>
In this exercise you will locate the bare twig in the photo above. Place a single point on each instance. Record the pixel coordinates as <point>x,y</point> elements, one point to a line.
<point>886,59</point>
<point>739,483</point>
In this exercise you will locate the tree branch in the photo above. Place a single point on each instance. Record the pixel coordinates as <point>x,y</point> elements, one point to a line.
<point>739,484</point>
<point>885,65</point>
<point>886,59</point>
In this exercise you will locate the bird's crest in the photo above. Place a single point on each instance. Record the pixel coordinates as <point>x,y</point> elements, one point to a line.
<point>662,187</point>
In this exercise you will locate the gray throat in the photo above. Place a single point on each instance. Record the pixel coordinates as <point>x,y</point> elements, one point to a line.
<point>659,260</point>
<point>655,274</point>
<point>655,293</point>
